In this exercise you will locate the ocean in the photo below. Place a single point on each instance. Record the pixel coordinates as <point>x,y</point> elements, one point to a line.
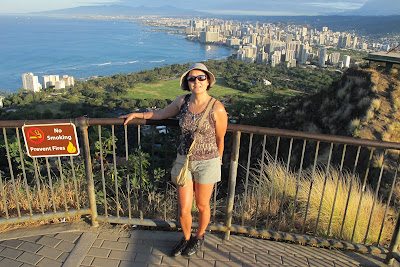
<point>89,47</point>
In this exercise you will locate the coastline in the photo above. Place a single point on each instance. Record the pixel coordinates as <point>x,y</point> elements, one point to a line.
<point>130,47</point>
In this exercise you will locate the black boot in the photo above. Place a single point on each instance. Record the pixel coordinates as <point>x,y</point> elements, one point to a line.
<point>193,246</point>
<point>180,247</point>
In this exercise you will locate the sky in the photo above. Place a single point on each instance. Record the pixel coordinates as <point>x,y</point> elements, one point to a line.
<point>233,7</point>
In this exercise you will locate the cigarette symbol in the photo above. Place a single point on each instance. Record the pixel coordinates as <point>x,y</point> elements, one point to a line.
<point>35,135</point>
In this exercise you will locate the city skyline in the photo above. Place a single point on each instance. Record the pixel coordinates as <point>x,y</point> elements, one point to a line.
<point>234,7</point>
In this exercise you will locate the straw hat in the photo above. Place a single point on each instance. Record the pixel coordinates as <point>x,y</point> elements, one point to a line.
<point>196,66</point>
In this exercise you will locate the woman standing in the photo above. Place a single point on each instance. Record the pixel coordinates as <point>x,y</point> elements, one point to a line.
<point>206,158</point>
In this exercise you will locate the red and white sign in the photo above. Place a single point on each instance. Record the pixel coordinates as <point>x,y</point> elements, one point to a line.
<point>49,140</point>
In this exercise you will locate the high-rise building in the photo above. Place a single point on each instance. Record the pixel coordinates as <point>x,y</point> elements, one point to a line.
<point>280,35</point>
<point>304,31</point>
<point>346,61</point>
<point>348,40</point>
<point>274,46</point>
<point>322,57</point>
<point>334,58</point>
<point>289,55</point>
<point>30,82</point>
<point>321,39</point>
<point>247,53</point>
<point>262,57</point>
<point>364,46</point>
<point>50,80</point>
<point>209,36</point>
<point>59,85</point>
<point>198,25</point>
<point>304,51</point>
<point>288,38</point>
<point>189,30</point>
<point>253,39</point>
<point>344,41</point>
<point>68,80</point>
<point>291,46</point>
<point>355,42</point>
<point>293,63</point>
<point>276,58</point>
<point>233,41</point>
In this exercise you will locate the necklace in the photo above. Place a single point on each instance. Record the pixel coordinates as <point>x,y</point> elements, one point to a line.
<point>193,111</point>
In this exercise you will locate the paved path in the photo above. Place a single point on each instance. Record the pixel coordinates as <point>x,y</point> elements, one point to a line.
<point>71,246</point>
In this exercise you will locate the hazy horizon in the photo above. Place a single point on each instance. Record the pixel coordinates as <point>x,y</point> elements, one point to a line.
<point>233,7</point>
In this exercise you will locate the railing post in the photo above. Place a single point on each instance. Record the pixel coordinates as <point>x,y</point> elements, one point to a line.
<point>394,243</point>
<point>83,125</point>
<point>232,182</point>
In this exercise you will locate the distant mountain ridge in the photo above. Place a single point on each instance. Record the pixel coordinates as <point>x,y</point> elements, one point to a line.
<point>358,20</point>
<point>121,10</point>
<point>376,8</point>
<point>370,8</point>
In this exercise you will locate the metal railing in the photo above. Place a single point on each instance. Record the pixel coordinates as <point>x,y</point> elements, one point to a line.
<point>311,188</point>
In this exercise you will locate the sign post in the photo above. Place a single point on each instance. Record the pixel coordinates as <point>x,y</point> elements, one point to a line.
<point>50,140</point>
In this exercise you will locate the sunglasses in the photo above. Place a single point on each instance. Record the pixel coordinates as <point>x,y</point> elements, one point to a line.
<point>200,78</point>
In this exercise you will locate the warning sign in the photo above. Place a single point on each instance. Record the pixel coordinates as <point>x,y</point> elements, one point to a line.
<point>49,140</point>
<point>35,135</point>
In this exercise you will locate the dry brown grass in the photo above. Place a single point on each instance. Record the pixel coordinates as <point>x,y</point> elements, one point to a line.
<point>344,183</point>
<point>32,200</point>
<point>275,177</point>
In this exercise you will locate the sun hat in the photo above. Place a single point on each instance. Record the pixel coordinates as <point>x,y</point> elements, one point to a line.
<point>196,66</point>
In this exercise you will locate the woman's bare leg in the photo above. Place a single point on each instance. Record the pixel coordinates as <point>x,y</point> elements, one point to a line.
<point>185,199</point>
<point>203,194</point>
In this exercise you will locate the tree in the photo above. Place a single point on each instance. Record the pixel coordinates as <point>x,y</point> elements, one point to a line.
<point>28,98</point>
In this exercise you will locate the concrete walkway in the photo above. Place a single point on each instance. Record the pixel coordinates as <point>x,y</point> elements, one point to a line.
<point>80,245</point>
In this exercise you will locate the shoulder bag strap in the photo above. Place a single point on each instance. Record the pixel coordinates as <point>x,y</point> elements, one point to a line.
<point>210,104</point>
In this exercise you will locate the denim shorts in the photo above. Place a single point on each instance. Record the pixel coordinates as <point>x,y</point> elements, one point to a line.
<point>203,171</point>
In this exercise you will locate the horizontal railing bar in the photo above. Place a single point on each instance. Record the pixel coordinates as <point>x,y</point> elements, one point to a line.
<point>116,121</point>
<point>313,136</point>
<point>20,123</point>
<point>231,127</point>
<point>45,216</point>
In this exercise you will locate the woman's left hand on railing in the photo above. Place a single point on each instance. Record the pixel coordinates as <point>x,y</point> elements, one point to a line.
<point>131,116</point>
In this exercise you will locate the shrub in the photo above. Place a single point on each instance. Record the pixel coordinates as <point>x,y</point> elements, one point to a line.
<point>376,104</point>
<point>355,124</point>
<point>364,102</point>
<point>370,114</point>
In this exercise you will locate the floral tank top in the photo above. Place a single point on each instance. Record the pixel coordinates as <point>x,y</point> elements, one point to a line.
<point>205,146</point>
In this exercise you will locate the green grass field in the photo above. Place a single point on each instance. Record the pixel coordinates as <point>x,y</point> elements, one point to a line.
<point>171,89</point>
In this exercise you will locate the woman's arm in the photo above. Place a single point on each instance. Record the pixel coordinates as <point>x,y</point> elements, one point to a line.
<point>171,110</point>
<point>221,124</point>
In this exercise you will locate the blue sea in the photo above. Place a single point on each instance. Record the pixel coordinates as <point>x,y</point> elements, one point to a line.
<point>88,47</point>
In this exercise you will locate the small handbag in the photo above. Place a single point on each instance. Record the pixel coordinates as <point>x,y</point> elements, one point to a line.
<point>180,179</point>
